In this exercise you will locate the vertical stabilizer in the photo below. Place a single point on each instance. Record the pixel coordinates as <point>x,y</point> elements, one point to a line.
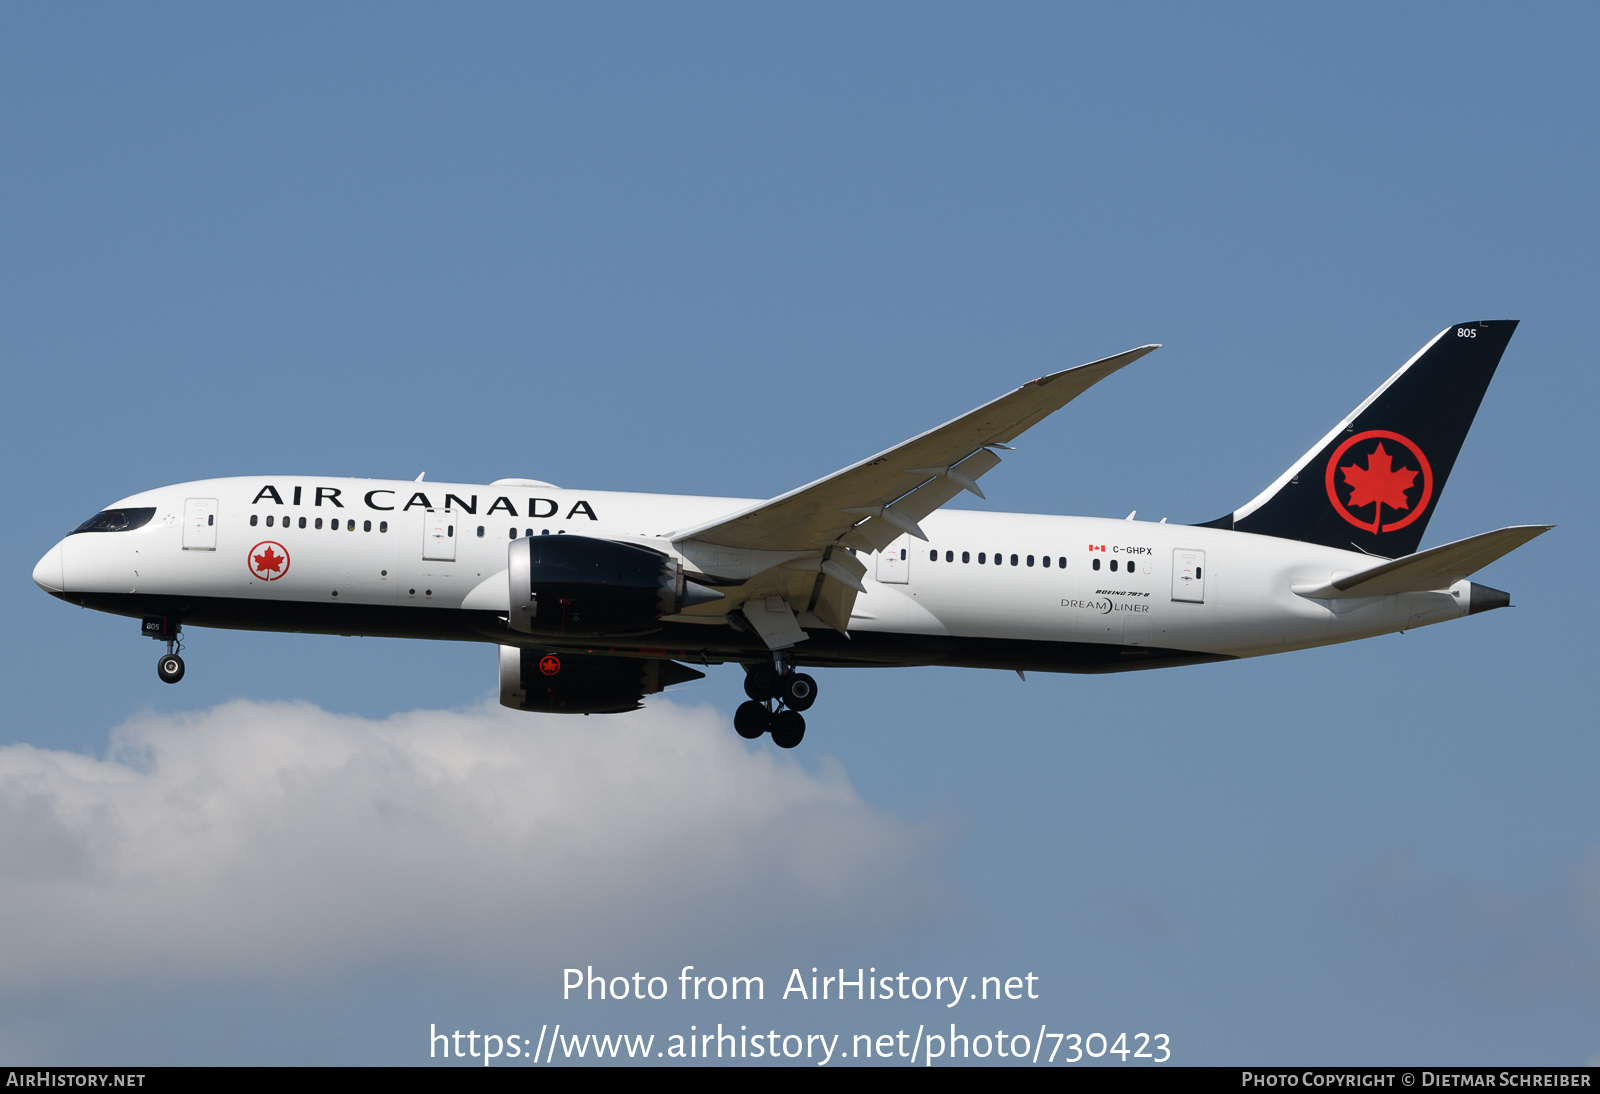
<point>1374,481</point>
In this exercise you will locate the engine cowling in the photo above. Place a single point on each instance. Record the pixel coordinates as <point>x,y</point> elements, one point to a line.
<point>575,683</point>
<point>576,586</point>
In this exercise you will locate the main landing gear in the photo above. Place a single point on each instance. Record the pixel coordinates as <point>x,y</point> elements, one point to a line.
<point>777,696</point>
<point>169,666</point>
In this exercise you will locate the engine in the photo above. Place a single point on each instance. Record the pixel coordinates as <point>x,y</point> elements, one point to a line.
<point>590,588</point>
<point>574,683</point>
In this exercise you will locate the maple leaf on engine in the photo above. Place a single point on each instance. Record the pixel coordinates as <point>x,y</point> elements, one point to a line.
<point>268,561</point>
<point>1379,481</point>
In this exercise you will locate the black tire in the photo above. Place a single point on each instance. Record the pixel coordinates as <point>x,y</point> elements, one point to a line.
<point>799,691</point>
<point>788,728</point>
<point>750,720</point>
<point>762,683</point>
<point>170,668</point>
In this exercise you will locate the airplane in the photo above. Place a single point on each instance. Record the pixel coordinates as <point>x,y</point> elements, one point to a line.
<point>597,599</point>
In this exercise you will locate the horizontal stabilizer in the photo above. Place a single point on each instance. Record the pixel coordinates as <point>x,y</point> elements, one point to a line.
<point>1435,568</point>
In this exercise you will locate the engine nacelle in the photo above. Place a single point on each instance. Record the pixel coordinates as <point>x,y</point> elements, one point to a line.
<point>581,587</point>
<point>579,683</point>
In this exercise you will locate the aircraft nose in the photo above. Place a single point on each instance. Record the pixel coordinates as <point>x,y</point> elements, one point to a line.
<point>49,573</point>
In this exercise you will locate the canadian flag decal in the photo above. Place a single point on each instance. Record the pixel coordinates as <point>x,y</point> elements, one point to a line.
<point>1101,547</point>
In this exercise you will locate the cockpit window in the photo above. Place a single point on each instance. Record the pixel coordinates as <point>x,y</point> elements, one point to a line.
<point>116,520</point>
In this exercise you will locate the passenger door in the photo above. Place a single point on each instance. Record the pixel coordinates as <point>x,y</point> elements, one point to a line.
<point>894,563</point>
<point>200,524</point>
<point>1189,575</point>
<point>439,536</point>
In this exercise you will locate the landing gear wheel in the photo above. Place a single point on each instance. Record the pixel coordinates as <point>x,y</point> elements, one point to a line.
<point>787,729</point>
<point>750,720</point>
<point>170,668</point>
<point>762,683</point>
<point>799,691</point>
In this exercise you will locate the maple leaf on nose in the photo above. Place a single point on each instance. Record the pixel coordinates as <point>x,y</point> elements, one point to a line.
<point>1380,481</point>
<point>268,561</point>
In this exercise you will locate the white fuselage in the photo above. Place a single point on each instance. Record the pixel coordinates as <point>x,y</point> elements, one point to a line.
<point>370,556</point>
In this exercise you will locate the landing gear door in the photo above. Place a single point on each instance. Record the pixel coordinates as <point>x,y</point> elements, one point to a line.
<point>894,563</point>
<point>439,536</point>
<point>1189,575</point>
<point>200,524</point>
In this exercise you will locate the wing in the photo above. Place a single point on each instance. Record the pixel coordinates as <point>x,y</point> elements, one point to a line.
<point>869,504</point>
<point>783,563</point>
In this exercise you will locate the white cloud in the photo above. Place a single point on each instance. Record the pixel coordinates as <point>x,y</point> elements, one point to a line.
<point>281,842</point>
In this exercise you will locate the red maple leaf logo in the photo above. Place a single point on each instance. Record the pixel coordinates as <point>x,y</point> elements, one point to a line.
<point>268,561</point>
<point>1381,483</point>
<point>549,665</point>
<point>1378,482</point>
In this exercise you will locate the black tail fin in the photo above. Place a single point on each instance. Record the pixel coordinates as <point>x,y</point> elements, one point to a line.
<point>1374,481</point>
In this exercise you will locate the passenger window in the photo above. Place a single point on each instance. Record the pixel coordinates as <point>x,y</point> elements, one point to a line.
<point>1061,563</point>
<point>252,520</point>
<point>383,526</point>
<point>982,558</point>
<point>902,554</point>
<point>366,526</point>
<point>998,561</point>
<point>1030,560</point>
<point>949,556</point>
<point>933,556</point>
<point>302,522</point>
<point>966,557</point>
<point>319,524</point>
<point>1013,560</point>
<point>1113,565</point>
<point>1046,561</point>
<point>352,527</point>
<point>1095,564</point>
<point>480,531</point>
<point>211,518</point>
<point>269,520</point>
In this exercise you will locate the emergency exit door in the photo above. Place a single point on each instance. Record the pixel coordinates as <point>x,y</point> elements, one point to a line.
<point>200,524</point>
<point>1189,576</point>
<point>439,536</point>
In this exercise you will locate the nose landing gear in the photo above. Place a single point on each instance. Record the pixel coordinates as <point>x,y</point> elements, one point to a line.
<point>166,628</point>
<point>777,696</point>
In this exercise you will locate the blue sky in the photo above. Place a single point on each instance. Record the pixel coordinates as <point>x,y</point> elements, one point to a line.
<point>725,249</point>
